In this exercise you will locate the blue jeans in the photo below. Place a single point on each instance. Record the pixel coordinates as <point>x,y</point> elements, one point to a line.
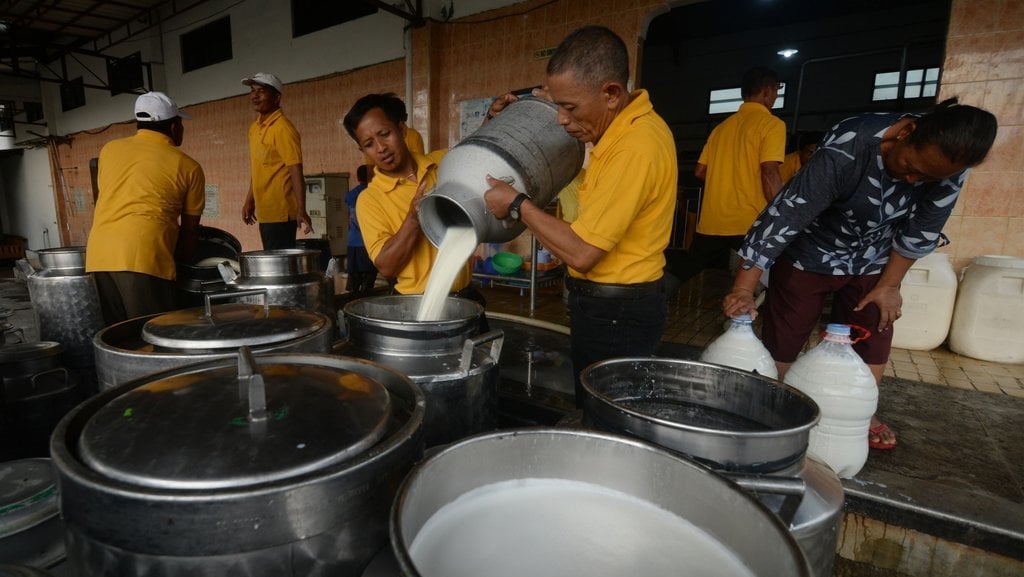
<point>606,328</point>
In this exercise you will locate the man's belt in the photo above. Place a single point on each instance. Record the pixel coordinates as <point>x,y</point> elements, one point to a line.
<point>614,291</point>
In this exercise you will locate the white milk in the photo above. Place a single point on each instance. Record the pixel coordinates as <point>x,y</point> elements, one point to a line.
<point>458,244</point>
<point>739,347</point>
<point>557,528</point>
<point>846,392</point>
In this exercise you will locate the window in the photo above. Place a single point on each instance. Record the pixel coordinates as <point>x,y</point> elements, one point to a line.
<point>308,16</point>
<point>72,94</point>
<point>124,74</point>
<point>206,45</point>
<point>33,111</point>
<point>920,83</point>
<point>728,100</point>
<point>6,117</point>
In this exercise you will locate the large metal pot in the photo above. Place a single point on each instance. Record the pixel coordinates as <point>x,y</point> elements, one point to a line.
<point>30,527</point>
<point>276,465</point>
<point>456,368</point>
<point>36,393</point>
<point>753,428</point>
<point>201,275</point>
<point>524,146</point>
<point>146,345</point>
<point>291,277</point>
<point>66,303</point>
<point>723,514</point>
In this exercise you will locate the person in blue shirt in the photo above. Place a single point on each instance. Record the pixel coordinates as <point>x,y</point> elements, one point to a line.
<point>362,274</point>
<point>871,200</point>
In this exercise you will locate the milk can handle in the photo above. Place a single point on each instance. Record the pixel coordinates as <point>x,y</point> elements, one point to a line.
<point>226,272</point>
<point>251,389</point>
<point>64,371</point>
<point>495,337</point>
<point>792,489</point>
<point>232,294</point>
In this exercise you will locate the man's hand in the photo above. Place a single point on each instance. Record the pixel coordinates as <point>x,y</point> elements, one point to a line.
<point>249,211</point>
<point>500,103</point>
<point>499,196</point>
<point>889,302</point>
<point>304,223</point>
<point>414,205</point>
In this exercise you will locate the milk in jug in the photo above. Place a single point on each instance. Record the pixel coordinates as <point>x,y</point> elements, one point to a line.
<point>846,392</point>
<point>739,347</point>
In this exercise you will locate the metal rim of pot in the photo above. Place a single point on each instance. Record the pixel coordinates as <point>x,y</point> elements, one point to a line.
<point>381,318</point>
<point>422,471</point>
<point>722,448</point>
<point>68,257</point>
<point>196,510</point>
<point>279,263</point>
<point>30,513</point>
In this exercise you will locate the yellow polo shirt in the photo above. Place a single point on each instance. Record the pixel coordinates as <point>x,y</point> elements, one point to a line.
<point>733,196</point>
<point>790,166</point>
<point>274,145</point>
<point>145,184</point>
<point>628,196</point>
<point>382,208</point>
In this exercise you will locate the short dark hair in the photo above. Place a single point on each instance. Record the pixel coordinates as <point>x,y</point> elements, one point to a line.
<point>594,54</point>
<point>391,105</point>
<point>808,137</point>
<point>161,126</point>
<point>964,134</point>
<point>756,79</point>
<point>361,174</point>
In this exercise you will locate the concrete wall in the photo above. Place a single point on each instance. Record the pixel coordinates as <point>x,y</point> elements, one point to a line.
<point>29,203</point>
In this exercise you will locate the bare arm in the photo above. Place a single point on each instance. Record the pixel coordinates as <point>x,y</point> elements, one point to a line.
<point>249,207</point>
<point>299,188</point>
<point>701,171</point>
<point>554,233</point>
<point>398,249</point>
<point>741,298</point>
<point>188,238</point>
<point>886,294</point>
<point>771,180</point>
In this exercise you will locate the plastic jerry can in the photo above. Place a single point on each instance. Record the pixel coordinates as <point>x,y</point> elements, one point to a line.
<point>739,347</point>
<point>846,392</point>
<point>989,308</point>
<point>929,295</point>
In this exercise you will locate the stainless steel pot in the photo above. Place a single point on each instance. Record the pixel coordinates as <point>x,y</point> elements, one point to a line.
<point>525,146</point>
<point>456,368</point>
<point>713,504</point>
<point>30,527</point>
<point>69,260</point>
<point>291,277</point>
<point>751,427</point>
<point>151,344</point>
<point>36,392</point>
<point>275,465</point>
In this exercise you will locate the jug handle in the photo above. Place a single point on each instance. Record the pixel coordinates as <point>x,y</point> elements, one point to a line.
<point>495,337</point>
<point>226,272</point>
<point>792,489</point>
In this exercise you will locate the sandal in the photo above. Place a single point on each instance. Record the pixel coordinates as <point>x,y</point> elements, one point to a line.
<point>877,431</point>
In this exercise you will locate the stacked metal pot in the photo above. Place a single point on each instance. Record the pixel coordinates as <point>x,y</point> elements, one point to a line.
<point>276,465</point>
<point>37,391</point>
<point>290,277</point>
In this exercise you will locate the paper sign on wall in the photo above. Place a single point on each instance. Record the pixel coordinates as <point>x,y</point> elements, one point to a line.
<point>212,209</point>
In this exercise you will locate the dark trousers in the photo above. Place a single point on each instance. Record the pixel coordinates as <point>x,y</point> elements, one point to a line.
<point>127,295</point>
<point>705,250</point>
<point>605,328</point>
<point>277,235</point>
<point>360,270</point>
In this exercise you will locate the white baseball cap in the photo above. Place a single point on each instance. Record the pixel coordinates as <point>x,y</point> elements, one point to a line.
<point>264,79</point>
<point>156,106</point>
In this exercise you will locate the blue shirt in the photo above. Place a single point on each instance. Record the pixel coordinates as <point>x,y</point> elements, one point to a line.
<point>355,236</point>
<point>842,213</point>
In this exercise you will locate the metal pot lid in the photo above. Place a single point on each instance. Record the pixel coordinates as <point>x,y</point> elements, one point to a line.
<point>28,494</point>
<point>27,351</point>
<point>231,325</point>
<point>198,431</point>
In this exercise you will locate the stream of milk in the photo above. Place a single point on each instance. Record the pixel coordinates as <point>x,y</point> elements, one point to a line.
<point>458,244</point>
<point>557,528</point>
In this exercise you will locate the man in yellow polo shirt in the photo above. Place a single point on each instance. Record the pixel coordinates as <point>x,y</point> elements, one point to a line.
<point>146,184</point>
<point>806,144</point>
<point>386,210</point>
<point>614,247</point>
<point>277,190</point>
<point>740,169</point>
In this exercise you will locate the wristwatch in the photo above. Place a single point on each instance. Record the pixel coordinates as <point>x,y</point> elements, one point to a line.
<point>513,208</point>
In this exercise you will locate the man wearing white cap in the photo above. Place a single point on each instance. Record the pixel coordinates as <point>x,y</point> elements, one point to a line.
<point>277,190</point>
<point>146,184</point>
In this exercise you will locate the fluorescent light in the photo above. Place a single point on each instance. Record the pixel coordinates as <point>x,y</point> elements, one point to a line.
<point>787,52</point>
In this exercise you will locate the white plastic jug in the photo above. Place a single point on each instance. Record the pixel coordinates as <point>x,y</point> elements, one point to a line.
<point>986,322</point>
<point>929,293</point>
<point>739,347</point>
<point>846,392</point>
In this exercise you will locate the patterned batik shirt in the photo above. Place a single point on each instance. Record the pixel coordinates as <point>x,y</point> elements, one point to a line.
<point>842,213</point>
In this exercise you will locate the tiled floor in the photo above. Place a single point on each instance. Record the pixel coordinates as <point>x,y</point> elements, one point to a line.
<point>695,318</point>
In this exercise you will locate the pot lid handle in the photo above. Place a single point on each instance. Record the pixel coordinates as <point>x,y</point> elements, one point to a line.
<point>252,389</point>
<point>208,298</point>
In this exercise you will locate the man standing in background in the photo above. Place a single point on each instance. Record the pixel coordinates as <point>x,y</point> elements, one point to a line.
<point>806,144</point>
<point>358,266</point>
<point>740,169</point>
<point>277,189</point>
<point>146,184</point>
